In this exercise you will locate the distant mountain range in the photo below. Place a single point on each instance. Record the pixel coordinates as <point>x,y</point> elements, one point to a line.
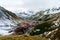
<point>25,15</point>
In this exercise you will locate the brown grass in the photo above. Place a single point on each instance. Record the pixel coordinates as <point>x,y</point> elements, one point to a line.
<point>21,37</point>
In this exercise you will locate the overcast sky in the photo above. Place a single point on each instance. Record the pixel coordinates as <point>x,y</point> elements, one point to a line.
<point>15,5</point>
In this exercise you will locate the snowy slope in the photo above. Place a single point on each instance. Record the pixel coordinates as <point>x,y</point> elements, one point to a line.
<point>6,19</point>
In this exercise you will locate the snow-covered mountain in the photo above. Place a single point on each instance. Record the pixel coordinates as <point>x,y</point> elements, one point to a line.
<point>7,19</point>
<point>6,16</point>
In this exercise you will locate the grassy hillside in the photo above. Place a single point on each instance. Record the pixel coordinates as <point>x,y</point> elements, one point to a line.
<point>21,37</point>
